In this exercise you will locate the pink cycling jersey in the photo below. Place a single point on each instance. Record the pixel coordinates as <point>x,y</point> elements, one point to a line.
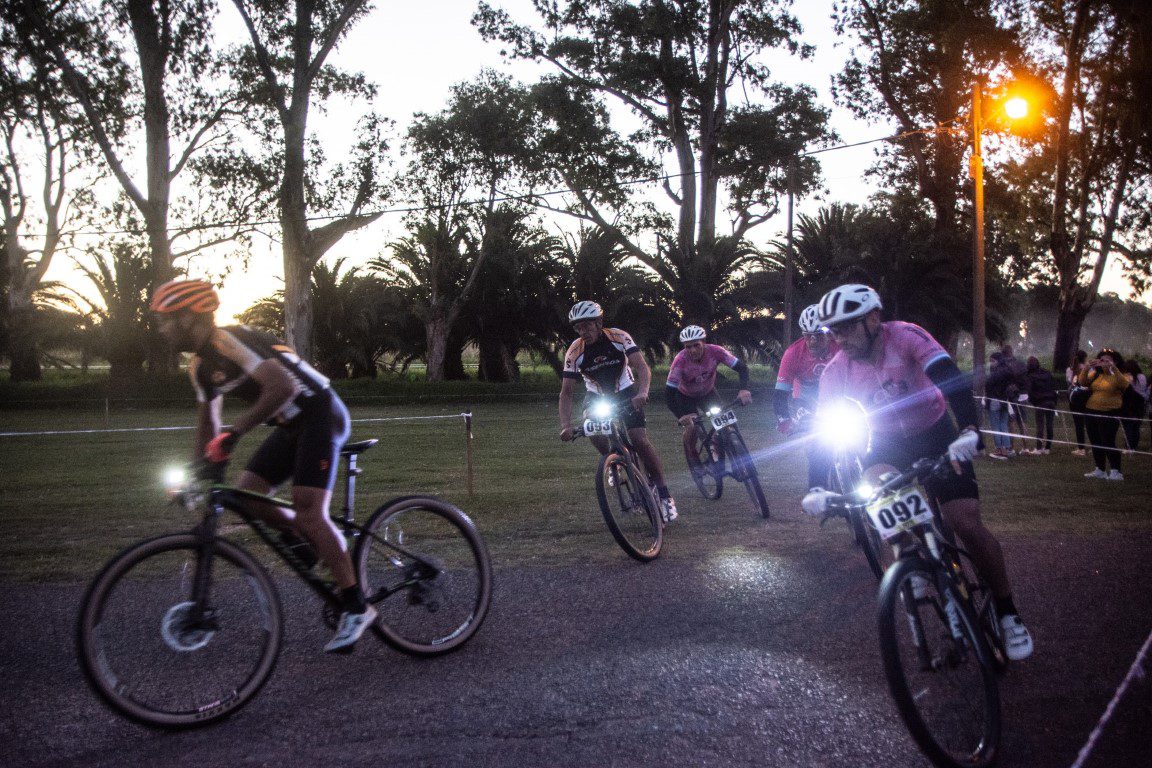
<point>696,379</point>
<point>891,384</point>
<point>800,370</point>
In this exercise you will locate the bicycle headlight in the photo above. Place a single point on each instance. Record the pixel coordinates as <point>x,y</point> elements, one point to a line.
<point>843,426</point>
<point>602,409</point>
<point>865,490</point>
<point>175,478</point>
<point>714,410</point>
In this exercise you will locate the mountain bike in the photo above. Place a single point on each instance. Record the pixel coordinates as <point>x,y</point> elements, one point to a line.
<point>184,629</point>
<point>939,633</point>
<point>627,499</point>
<point>721,452</point>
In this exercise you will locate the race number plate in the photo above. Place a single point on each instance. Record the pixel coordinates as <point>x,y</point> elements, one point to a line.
<point>721,420</point>
<point>596,427</point>
<point>900,511</point>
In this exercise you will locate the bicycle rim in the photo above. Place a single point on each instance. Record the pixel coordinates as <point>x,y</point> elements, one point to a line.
<point>945,689</point>
<point>422,564</point>
<point>707,473</point>
<point>629,508</point>
<point>742,459</point>
<point>145,653</point>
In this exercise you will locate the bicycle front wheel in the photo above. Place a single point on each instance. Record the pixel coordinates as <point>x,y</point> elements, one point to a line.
<point>938,668</point>
<point>159,655</point>
<point>423,565</point>
<point>745,471</point>
<point>707,471</point>
<point>629,507</point>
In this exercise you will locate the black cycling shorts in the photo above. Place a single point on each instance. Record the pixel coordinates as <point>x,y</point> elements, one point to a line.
<point>633,418</point>
<point>307,449</point>
<point>682,405</point>
<point>903,452</point>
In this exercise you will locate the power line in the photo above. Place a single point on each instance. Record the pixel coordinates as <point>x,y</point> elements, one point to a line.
<point>529,196</point>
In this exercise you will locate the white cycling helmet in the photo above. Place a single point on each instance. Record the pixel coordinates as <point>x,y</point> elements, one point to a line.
<point>848,302</point>
<point>584,310</point>
<point>810,319</point>
<point>692,333</point>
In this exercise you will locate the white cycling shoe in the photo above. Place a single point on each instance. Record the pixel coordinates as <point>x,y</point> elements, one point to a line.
<point>352,626</point>
<point>668,511</point>
<point>1017,638</point>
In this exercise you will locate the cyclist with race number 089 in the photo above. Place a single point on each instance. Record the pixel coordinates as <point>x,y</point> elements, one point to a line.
<point>692,380</point>
<point>605,359</point>
<point>798,386</point>
<point>310,424</point>
<point>903,378</point>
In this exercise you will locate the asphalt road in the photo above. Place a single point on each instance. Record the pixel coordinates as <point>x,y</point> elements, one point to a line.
<point>751,649</point>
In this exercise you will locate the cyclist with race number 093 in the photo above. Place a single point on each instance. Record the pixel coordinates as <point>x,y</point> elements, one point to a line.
<point>905,382</point>
<point>310,424</point>
<point>605,359</point>
<point>692,380</point>
<point>798,386</point>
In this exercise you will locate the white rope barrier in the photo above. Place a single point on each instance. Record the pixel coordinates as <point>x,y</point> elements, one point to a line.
<point>1086,444</point>
<point>1134,672</point>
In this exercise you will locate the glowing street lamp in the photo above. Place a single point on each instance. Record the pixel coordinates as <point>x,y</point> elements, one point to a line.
<point>1014,108</point>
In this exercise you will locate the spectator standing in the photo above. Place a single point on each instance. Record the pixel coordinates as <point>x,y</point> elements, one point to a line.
<point>1017,387</point>
<point>1042,394</point>
<point>1105,377</point>
<point>1070,374</point>
<point>996,394</point>
<point>1134,416</point>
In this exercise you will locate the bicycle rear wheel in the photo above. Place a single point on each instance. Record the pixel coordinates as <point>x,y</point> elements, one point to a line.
<point>744,469</point>
<point>707,472</point>
<point>154,657</point>
<point>422,564</point>
<point>944,687</point>
<point>629,507</point>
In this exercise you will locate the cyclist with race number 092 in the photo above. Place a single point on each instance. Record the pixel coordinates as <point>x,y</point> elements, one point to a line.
<point>310,424</point>
<point>905,382</point>
<point>798,386</point>
<point>692,380</point>
<point>605,359</point>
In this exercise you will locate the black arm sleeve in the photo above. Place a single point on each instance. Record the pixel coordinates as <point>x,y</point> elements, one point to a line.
<point>742,369</point>
<point>780,400</point>
<point>957,389</point>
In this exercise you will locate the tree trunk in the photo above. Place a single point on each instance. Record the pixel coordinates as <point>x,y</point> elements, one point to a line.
<point>436,339</point>
<point>1069,321</point>
<point>23,349</point>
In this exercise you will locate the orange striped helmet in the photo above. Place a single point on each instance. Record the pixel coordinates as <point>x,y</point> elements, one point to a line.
<point>197,296</point>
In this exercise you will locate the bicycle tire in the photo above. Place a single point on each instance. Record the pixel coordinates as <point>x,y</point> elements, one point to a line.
<point>707,473</point>
<point>629,507</point>
<point>425,568</point>
<point>927,670</point>
<point>748,474</point>
<point>844,477</point>
<point>984,607</point>
<point>153,680</point>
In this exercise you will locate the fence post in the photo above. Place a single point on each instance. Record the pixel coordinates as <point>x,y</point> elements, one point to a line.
<point>468,452</point>
<point>106,419</point>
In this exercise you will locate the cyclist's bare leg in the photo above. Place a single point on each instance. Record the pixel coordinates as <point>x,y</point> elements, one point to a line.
<point>310,519</point>
<point>314,523</point>
<point>691,440</point>
<point>639,438</point>
<point>963,517</point>
<point>601,444</point>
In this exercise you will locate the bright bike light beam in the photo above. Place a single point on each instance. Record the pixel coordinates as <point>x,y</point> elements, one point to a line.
<point>602,409</point>
<point>174,477</point>
<point>843,425</point>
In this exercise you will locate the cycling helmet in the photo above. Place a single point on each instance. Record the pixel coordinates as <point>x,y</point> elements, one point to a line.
<point>692,333</point>
<point>198,296</point>
<point>848,302</point>
<point>584,310</point>
<point>810,319</point>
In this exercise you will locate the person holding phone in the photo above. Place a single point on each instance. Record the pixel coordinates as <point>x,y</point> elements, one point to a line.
<point>1104,375</point>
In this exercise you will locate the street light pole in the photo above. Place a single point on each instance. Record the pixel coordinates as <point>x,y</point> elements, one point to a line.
<point>976,167</point>
<point>789,263</point>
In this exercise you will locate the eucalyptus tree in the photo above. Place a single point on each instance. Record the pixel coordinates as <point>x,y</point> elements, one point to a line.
<point>43,183</point>
<point>693,75</point>
<point>914,62</point>
<point>282,72</point>
<point>1097,157</point>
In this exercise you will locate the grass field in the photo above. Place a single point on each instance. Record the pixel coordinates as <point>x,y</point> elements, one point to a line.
<point>69,501</point>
